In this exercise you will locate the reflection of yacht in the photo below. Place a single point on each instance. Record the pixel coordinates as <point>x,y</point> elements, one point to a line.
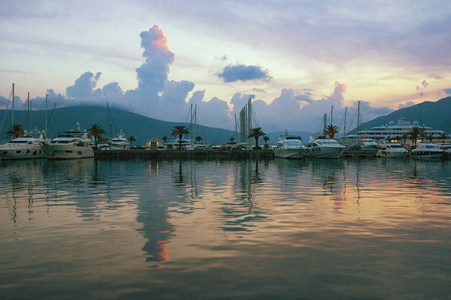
<point>289,146</point>
<point>323,147</point>
<point>72,145</point>
<point>393,150</point>
<point>120,142</point>
<point>426,151</point>
<point>24,147</point>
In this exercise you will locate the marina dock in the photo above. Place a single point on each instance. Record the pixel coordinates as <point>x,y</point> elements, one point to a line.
<point>185,154</point>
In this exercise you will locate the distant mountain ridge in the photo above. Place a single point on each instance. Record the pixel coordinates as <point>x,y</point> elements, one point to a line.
<point>132,124</point>
<point>433,114</point>
<point>436,115</point>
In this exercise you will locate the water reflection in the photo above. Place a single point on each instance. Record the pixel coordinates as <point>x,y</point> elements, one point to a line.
<point>326,227</point>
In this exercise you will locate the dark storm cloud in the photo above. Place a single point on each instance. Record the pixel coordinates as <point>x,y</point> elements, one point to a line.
<point>243,73</point>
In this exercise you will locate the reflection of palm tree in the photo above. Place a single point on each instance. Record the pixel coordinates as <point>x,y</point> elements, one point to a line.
<point>256,133</point>
<point>179,131</point>
<point>96,130</point>
<point>15,131</point>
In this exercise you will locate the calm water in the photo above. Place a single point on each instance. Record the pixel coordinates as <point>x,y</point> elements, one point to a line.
<point>347,229</point>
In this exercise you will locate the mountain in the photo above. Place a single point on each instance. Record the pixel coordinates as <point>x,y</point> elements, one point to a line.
<point>436,115</point>
<point>142,128</point>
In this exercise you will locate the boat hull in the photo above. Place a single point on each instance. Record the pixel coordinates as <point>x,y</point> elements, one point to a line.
<point>68,152</point>
<point>391,154</point>
<point>325,152</point>
<point>426,155</point>
<point>289,153</point>
<point>10,153</point>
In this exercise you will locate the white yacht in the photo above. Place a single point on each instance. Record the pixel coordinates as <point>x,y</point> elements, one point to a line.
<point>393,131</point>
<point>323,147</point>
<point>24,147</point>
<point>289,146</point>
<point>446,150</point>
<point>392,150</point>
<point>426,151</point>
<point>74,144</point>
<point>120,142</point>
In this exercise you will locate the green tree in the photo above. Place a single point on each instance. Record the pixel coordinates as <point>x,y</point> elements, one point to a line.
<point>404,138</point>
<point>266,139</point>
<point>332,130</point>
<point>96,130</point>
<point>165,139</point>
<point>198,139</point>
<point>415,133</point>
<point>430,138</point>
<point>179,131</point>
<point>232,139</point>
<point>131,139</point>
<point>15,131</point>
<point>256,133</point>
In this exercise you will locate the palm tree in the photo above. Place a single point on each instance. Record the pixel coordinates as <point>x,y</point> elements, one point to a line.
<point>415,133</point>
<point>332,130</point>
<point>198,139</point>
<point>231,140</point>
<point>430,137</point>
<point>256,133</point>
<point>266,139</point>
<point>179,131</point>
<point>165,139</point>
<point>131,139</point>
<point>96,130</point>
<point>404,138</point>
<point>443,137</point>
<point>15,131</point>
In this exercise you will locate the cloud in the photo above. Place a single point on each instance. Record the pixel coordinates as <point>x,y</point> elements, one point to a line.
<point>169,100</point>
<point>83,87</point>
<point>407,104</point>
<point>243,73</point>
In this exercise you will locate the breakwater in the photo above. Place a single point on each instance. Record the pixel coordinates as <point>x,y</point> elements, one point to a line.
<point>185,154</point>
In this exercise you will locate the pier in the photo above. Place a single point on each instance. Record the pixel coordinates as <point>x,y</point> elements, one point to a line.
<point>184,154</point>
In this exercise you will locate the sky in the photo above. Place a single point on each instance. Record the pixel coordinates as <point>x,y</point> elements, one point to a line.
<point>296,60</point>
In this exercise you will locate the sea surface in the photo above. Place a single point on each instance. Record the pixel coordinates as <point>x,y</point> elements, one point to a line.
<point>275,229</point>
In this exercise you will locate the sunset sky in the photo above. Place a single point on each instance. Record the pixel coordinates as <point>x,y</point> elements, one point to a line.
<point>295,59</point>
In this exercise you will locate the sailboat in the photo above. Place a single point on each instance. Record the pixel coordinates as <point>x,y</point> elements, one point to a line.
<point>29,145</point>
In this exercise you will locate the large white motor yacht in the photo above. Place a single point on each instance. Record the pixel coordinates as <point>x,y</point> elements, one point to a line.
<point>392,150</point>
<point>426,151</point>
<point>120,142</point>
<point>323,147</point>
<point>289,146</point>
<point>24,147</point>
<point>74,144</point>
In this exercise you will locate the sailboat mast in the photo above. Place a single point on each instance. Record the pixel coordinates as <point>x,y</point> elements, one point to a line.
<point>28,113</point>
<point>12,110</point>
<point>46,125</point>
<point>109,123</point>
<point>344,130</point>
<point>331,114</point>
<point>358,118</point>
